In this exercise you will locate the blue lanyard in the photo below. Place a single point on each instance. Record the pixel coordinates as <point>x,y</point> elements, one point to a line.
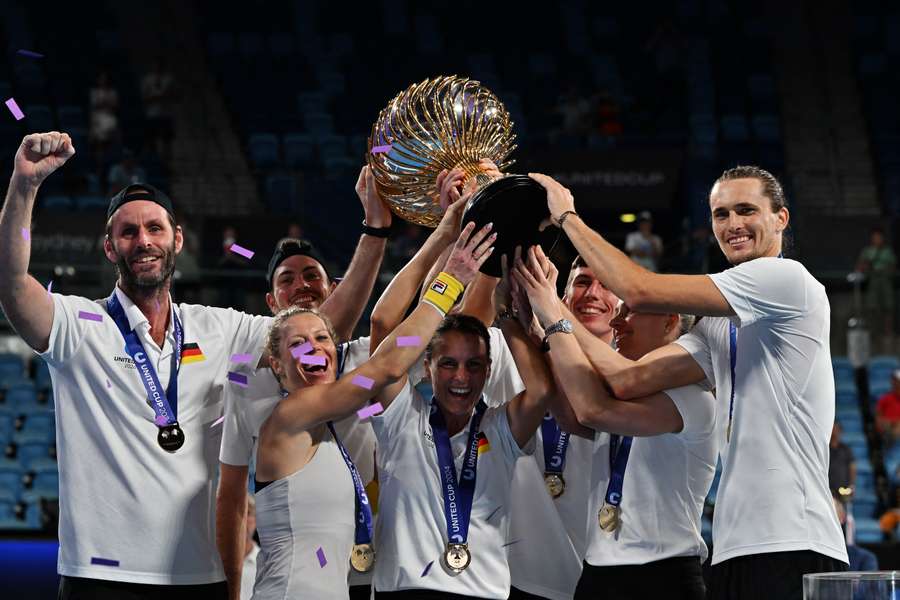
<point>732,342</point>
<point>363,534</point>
<point>619,449</point>
<point>556,442</point>
<point>164,403</point>
<point>458,496</point>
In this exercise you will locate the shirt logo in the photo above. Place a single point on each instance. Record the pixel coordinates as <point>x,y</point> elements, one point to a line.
<point>191,353</point>
<point>124,361</point>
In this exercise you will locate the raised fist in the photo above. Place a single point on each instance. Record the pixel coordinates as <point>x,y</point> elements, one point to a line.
<point>40,154</point>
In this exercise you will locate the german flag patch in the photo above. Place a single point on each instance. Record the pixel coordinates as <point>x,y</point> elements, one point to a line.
<point>483,444</point>
<point>191,353</point>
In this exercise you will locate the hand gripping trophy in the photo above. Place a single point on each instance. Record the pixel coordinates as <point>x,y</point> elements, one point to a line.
<point>450,122</point>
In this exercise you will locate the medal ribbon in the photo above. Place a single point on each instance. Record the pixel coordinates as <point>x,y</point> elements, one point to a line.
<point>619,449</point>
<point>458,495</point>
<point>164,402</point>
<point>363,533</point>
<point>556,442</point>
<point>732,343</point>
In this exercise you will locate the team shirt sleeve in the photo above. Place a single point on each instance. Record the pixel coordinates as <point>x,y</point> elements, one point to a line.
<point>764,288</point>
<point>698,411</point>
<point>68,330</point>
<point>504,384</point>
<point>696,343</point>
<point>237,439</point>
<point>247,333</point>
<point>388,423</point>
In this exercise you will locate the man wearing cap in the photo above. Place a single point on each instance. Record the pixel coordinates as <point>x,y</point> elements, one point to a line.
<point>137,383</point>
<point>643,246</point>
<point>297,277</point>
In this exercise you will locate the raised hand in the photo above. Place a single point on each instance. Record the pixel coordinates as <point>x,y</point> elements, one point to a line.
<point>40,154</point>
<point>540,287</point>
<point>559,198</point>
<point>377,212</point>
<point>450,186</point>
<point>470,252</point>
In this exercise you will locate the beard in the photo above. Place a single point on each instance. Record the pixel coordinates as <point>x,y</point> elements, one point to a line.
<point>146,281</point>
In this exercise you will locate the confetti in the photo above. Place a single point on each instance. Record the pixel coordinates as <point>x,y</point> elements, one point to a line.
<point>29,54</point>
<point>310,359</point>
<point>89,316</point>
<point>161,421</point>
<point>108,384</point>
<point>374,409</point>
<point>381,149</point>
<point>242,251</point>
<point>241,358</point>
<point>302,349</point>
<point>14,109</point>
<point>26,235</point>
<point>428,568</point>
<point>408,340</point>
<point>363,382</point>
<point>217,421</point>
<point>320,554</point>
<point>237,378</point>
<point>510,543</point>
<point>106,562</point>
<point>49,288</point>
<point>494,512</point>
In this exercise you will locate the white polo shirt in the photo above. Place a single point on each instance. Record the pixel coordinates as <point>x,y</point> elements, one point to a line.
<point>129,510</point>
<point>411,532</point>
<point>666,481</point>
<point>773,495</point>
<point>551,568</point>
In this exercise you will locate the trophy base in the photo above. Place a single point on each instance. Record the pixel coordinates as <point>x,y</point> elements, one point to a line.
<point>516,205</point>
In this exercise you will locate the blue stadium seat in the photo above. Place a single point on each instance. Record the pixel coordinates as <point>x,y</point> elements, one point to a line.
<point>27,453</point>
<point>868,531</point>
<point>71,116</point>
<point>10,366</point>
<point>311,102</point>
<point>864,504</point>
<point>39,424</point>
<point>42,380</point>
<point>89,202</point>
<point>299,150</point>
<point>332,146</point>
<point>57,202</point>
<point>21,394</point>
<point>263,149</point>
<point>766,128</point>
<point>734,128</point>
<point>881,367</point>
<point>11,480</point>
<point>281,193</point>
<point>318,124</point>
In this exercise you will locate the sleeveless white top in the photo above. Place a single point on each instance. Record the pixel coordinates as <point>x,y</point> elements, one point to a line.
<point>296,516</point>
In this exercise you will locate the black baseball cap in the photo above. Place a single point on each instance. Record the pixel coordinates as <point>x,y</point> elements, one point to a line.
<point>287,248</point>
<point>139,191</point>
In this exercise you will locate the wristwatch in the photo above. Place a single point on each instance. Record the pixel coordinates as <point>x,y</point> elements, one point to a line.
<point>561,326</point>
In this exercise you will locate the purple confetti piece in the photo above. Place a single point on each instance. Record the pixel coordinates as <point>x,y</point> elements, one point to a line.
<point>304,348</point>
<point>26,235</point>
<point>241,358</point>
<point>161,421</point>
<point>311,359</point>
<point>108,384</point>
<point>29,54</point>
<point>89,316</point>
<point>428,568</point>
<point>106,562</point>
<point>368,411</point>
<point>237,378</point>
<point>363,382</point>
<point>408,340</point>
<point>381,149</point>
<point>217,421</point>
<point>320,554</point>
<point>14,109</point>
<point>49,288</point>
<point>242,251</point>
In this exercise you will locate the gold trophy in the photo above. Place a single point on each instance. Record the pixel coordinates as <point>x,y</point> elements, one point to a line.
<point>449,122</point>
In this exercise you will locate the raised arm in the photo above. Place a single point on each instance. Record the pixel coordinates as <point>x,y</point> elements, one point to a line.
<point>386,369</point>
<point>641,289</point>
<point>348,301</point>
<point>25,302</point>
<point>583,387</point>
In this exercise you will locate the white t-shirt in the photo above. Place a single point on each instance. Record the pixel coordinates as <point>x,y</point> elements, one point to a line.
<point>666,481</point>
<point>248,573</point>
<point>123,499</point>
<point>773,496</point>
<point>411,532</point>
<point>552,567</point>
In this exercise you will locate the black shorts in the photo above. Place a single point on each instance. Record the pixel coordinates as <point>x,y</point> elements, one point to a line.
<point>679,578</point>
<point>78,588</point>
<point>773,575</point>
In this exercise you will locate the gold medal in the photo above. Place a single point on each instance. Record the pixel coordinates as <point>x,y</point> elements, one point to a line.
<point>362,558</point>
<point>609,517</point>
<point>457,557</point>
<point>555,483</point>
